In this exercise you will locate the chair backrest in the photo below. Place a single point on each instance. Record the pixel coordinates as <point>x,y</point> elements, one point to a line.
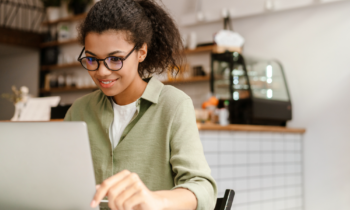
<point>225,203</point>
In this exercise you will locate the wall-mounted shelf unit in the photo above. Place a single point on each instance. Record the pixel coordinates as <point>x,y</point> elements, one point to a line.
<point>72,41</point>
<point>208,48</point>
<point>66,89</point>
<point>74,89</point>
<point>188,80</point>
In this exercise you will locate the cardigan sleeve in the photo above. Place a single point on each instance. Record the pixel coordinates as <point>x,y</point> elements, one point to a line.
<point>190,168</point>
<point>68,116</point>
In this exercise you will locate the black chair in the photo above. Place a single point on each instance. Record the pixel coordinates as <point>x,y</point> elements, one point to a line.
<point>225,203</point>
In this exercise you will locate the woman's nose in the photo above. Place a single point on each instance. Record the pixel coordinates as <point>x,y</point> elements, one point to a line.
<point>103,70</point>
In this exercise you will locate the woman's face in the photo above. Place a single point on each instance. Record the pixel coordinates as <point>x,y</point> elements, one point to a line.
<point>113,43</point>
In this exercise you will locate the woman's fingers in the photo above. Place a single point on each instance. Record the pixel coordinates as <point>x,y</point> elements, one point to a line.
<point>131,183</point>
<point>136,199</point>
<point>129,192</point>
<point>106,185</point>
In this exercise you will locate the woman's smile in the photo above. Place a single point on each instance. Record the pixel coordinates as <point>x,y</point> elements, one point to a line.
<point>107,83</point>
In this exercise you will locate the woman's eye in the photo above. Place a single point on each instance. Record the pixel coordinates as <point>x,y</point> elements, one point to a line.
<point>114,59</point>
<point>90,59</point>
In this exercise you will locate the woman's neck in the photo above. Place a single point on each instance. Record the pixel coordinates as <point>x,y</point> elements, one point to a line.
<point>131,93</point>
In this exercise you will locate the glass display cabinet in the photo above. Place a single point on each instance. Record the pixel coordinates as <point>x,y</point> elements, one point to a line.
<point>256,89</point>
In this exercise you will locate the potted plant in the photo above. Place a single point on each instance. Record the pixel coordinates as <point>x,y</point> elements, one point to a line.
<point>78,6</point>
<point>53,9</point>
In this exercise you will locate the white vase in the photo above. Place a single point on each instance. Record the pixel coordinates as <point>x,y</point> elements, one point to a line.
<point>53,13</point>
<point>192,41</point>
<point>18,109</point>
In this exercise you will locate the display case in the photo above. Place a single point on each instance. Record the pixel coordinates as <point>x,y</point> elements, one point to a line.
<point>256,89</point>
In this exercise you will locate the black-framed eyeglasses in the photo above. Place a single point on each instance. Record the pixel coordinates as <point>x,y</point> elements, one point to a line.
<point>112,63</point>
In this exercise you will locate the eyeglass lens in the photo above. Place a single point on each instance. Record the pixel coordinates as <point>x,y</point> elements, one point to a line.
<point>113,63</point>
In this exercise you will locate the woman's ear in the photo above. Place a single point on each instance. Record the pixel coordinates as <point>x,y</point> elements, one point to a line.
<point>142,53</point>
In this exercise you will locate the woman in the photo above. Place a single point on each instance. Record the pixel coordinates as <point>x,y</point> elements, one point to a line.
<point>144,140</point>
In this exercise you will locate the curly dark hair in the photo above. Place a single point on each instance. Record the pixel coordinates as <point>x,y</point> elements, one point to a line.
<point>145,21</point>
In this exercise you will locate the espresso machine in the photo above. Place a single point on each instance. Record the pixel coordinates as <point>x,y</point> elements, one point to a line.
<point>256,89</point>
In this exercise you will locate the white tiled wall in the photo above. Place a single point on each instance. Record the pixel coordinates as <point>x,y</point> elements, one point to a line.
<point>264,168</point>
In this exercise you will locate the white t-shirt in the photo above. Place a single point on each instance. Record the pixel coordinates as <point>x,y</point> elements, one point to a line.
<point>122,117</point>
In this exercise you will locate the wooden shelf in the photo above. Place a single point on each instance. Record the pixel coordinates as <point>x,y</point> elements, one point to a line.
<point>60,67</point>
<point>72,41</point>
<point>67,89</point>
<point>72,89</point>
<point>77,64</point>
<point>67,19</point>
<point>256,128</point>
<point>199,49</point>
<point>56,43</point>
<point>189,80</point>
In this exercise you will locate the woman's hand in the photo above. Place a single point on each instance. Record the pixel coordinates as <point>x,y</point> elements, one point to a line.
<point>126,191</point>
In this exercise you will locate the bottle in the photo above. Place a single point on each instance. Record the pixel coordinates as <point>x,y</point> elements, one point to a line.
<point>69,80</point>
<point>224,114</point>
<point>61,80</point>
<point>53,80</point>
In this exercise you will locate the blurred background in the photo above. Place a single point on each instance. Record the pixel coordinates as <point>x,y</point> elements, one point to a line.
<point>308,39</point>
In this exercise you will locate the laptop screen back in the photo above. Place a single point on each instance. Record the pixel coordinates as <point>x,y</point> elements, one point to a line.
<point>45,165</point>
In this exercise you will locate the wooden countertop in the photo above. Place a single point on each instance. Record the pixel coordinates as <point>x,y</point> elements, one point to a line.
<point>234,127</point>
<point>257,128</point>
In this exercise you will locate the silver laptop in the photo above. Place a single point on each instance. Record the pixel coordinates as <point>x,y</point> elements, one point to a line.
<point>45,165</point>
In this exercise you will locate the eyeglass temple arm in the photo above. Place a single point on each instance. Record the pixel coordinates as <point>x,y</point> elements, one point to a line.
<point>129,53</point>
<point>81,53</point>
